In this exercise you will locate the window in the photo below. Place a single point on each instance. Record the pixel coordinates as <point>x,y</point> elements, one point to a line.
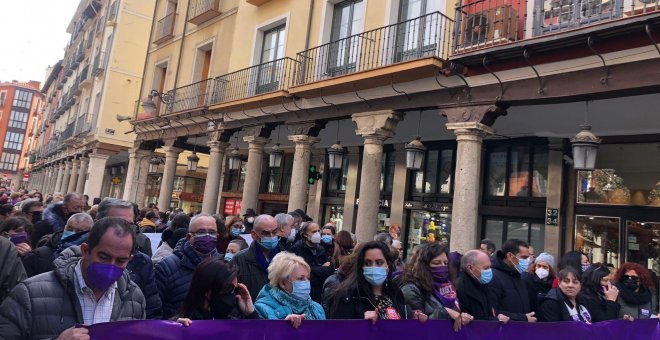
<point>9,161</point>
<point>337,177</point>
<point>387,171</point>
<point>437,175</point>
<point>499,230</point>
<point>18,120</point>
<point>14,141</point>
<point>598,237</point>
<point>417,32</point>
<point>234,179</point>
<point>22,99</point>
<point>517,171</point>
<point>3,96</point>
<point>279,179</point>
<point>344,46</point>
<point>272,49</point>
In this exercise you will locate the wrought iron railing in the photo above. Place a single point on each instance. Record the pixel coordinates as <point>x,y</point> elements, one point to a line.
<point>425,36</point>
<point>82,126</point>
<point>199,7</point>
<point>113,10</point>
<point>165,27</point>
<point>274,75</point>
<point>68,132</point>
<point>99,63</point>
<point>187,97</point>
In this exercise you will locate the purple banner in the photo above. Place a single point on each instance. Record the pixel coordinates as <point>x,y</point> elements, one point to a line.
<point>384,329</point>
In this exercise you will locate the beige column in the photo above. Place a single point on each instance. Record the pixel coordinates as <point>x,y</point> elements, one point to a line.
<point>96,174</point>
<point>467,184</point>
<point>167,184</point>
<point>48,173</point>
<point>301,161</point>
<point>253,172</point>
<point>82,175</point>
<point>75,172</point>
<point>58,180</point>
<point>375,128</point>
<point>136,175</point>
<point>554,186</point>
<point>49,187</point>
<point>66,177</point>
<point>353,170</point>
<point>212,184</point>
<point>400,187</point>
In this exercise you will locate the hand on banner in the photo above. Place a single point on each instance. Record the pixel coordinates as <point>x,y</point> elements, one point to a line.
<point>628,318</point>
<point>74,333</point>
<point>531,317</point>
<point>419,315</point>
<point>244,300</point>
<point>371,315</point>
<point>503,319</point>
<point>184,321</point>
<point>296,319</point>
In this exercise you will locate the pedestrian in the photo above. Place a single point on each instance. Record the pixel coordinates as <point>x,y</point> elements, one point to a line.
<point>342,272</point>
<point>253,262</point>
<point>564,303</point>
<point>472,287</point>
<point>487,246</point>
<point>599,295</point>
<point>395,231</point>
<point>11,268</point>
<point>169,241</point>
<point>426,285</point>
<point>224,234</point>
<point>215,294</point>
<point>297,222</point>
<point>328,234</point>
<point>539,278</point>
<point>248,220</point>
<point>32,209</point>
<point>384,238</point>
<point>55,216</point>
<point>368,291</point>
<point>576,259</point>
<point>398,247</point>
<point>314,254</point>
<point>507,291</point>
<point>636,291</point>
<point>286,231</point>
<point>344,248</point>
<point>56,303</point>
<point>126,210</point>
<point>287,294</point>
<point>148,224</point>
<point>234,247</point>
<point>174,273</point>
<point>17,229</point>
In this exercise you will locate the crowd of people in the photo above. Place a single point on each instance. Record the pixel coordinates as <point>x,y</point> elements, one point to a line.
<point>65,263</point>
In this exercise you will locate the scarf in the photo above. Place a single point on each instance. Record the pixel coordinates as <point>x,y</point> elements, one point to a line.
<point>261,259</point>
<point>442,287</point>
<point>634,298</point>
<point>298,306</point>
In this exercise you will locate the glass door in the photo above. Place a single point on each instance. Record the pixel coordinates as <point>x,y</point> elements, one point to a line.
<point>268,71</point>
<point>643,244</point>
<point>344,47</point>
<point>598,237</point>
<point>418,33</point>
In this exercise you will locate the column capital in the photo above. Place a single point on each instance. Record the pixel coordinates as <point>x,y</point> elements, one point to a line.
<point>84,160</point>
<point>255,142</point>
<point>304,140</point>
<point>75,162</point>
<point>470,130</point>
<point>217,146</point>
<point>98,156</point>
<point>171,151</point>
<point>136,151</point>
<point>484,113</point>
<point>377,124</point>
<point>261,130</point>
<point>310,128</point>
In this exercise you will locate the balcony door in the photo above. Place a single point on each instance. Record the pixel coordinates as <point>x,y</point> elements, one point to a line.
<point>270,64</point>
<point>344,46</point>
<point>419,31</point>
<point>557,15</point>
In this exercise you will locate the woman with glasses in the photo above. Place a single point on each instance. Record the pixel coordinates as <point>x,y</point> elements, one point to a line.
<point>636,292</point>
<point>286,296</point>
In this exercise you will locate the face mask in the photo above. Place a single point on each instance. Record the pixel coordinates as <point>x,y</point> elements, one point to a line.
<point>204,244</point>
<point>168,224</point>
<point>292,235</point>
<point>440,274</point>
<point>101,276</point>
<point>327,239</point>
<point>542,273</point>
<point>36,217</point>
<point>67,233</point>
<point>316,238</point>
<point>222,305</point>
<point>19,238</point>
<point>301,289</point>
<point>630,284</point>
<point>585,266</point>
<point>486,276</point>
<point>235,232</point>
<point>523,264</point>
<point>250,219</point>
<point>375,275</point>
<point>269,243</point>
<point>229,256</point>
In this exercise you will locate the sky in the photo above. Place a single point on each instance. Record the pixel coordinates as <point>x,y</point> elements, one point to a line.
<point>32,36</point>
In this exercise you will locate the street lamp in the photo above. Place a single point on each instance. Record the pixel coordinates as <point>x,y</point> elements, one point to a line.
<point>336,156</point>
<point>235,160</point>
<point>415,151</point>
<point>275,159</point>
<point>193,159</point>
<point>154,162</point>
<point>585,147</point>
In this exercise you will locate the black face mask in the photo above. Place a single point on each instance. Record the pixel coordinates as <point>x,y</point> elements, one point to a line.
<point>36,217</point>
<point>631,284</point>
<point>222,305</point>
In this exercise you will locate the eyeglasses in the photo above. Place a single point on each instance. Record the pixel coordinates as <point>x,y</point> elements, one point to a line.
<point>631,277</point>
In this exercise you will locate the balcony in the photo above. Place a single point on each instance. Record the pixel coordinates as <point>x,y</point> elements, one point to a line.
<point>187,98</point>
<point>68,72</point>
<point>203,10</point>
<point>417,46</point>
<point>85,77</point>
<point>80,54</point>
<point>99,25</point>
<point>165,28</point>
<point>99,63</point>
<point>82,126</point>
<point>113,10</point>
<point>67,133</point>
<point>75,87</point>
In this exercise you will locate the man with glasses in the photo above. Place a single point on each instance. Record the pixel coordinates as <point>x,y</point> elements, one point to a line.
<point>174,273</point>
<point>55,216</point>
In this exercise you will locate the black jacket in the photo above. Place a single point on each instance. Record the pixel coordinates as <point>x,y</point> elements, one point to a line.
<point>141,271</point>
<point>360,300</point>
<point>54,219</point>
<point>507,291</point>
<point>552,307</point>
<point>40,260</point>
<point>429,304</point>
<point>473,297</point>
<point>535,288</point>
<point>249,271</point>
<point>315,258</point>
<point>11,268</point>
<point>600,308</point>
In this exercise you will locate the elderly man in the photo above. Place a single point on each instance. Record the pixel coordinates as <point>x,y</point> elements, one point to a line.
<point>124,209</point>
<point>174,273</point>
<point>81,290</point>
<point>472,287</point>
<point>253,262</point>
<point>55,216</point>
<point>40,260</point>
<point>286,231</point>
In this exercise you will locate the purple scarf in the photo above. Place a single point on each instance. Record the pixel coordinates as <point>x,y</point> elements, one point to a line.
<point>263,262</point>
<point>443,288</point>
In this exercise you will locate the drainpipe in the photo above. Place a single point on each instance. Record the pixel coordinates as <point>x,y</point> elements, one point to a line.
<point>183,38</point>
<point>309,23</point>
<point>146,58</point>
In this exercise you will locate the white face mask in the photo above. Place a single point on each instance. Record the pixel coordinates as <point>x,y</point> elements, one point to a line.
<point>542,273</point>
<point>250,219</point>
<point>316,238</point>
<point>292,235</point>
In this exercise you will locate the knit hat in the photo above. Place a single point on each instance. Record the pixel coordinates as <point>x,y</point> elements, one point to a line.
<point>545,257</point>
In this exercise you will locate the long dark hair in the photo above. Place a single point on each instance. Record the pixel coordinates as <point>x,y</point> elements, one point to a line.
<point>572,259</point>
<point>591,279</point>
<point>211,275</point>
<point>419,269</point>
<point>355,278</point>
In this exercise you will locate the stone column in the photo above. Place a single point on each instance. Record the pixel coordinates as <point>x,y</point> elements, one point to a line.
<point>48,173</point>
<point>66,177</point>
<point>82,175</point>
<point>75,172</point>
<point>253,173</point>
<point>400,189</point>
<point>301,161</point>
<point>96,171</point>
<point>212,184</point>
<point>375,128</point>
<point>136,175</point>
<point>353,169</point>
<point>58,180</point>
<point>167,184</point>
<point>552,239</point>
<point>467,184</point>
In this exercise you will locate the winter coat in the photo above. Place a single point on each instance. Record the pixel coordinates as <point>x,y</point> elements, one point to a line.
<point>270,307</point>
<point>162,252</point>
<point>142,242</point>
<point>53,219</point>
<point>45,305</point>
<point>40,260</point>
<point>141,271</point>
<point>315,258</point>
<point>329,286</point>
<point>473,297</point>
<point>535,288</point>
<point>552,306</point>
<point>600,308</point>
<point>360,300</point>
<point>507,291</point>
<point>147,226</point>
<point>249,271</point>
<point>11,268</point>
<point>634,309</point>
<point>174,274</point>
<point>429,304</point>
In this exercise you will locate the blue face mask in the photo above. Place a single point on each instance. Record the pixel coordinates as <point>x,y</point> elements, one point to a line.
<point>327,239</point>
<point>229,256</point>
<point>486,276</point>
<point>301,289</point>
<point>67,233</point>
<point>270,243</point>
<point>523,264</point>
<point>235,232</point>
<point>376,276</point>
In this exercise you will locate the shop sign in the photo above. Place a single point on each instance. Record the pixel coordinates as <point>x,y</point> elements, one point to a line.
<point>191,197</point>
<point>381,203</point>
<point>441,207</point>
<point>116,180</point>
<point>232,207</point>
<point>552,216</point>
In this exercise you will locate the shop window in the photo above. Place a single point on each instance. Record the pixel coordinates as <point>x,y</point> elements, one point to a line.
<point>500,230</point>
<point>437,175</point>
<point>427,226</point>
<point>234,179</point>
<point>626,174</point>
<point>337,177</point>
<point>279,178</point>
<point>519,171</point>
<point>334,214</point>
<point>598,237</point>
<point>387,171</point>
<point>643,244</point>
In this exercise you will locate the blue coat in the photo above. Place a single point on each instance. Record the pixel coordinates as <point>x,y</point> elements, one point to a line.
<point>141,271</point>
<point>271,308</point>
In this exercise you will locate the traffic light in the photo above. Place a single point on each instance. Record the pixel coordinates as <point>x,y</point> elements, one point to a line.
<point>313,175</point>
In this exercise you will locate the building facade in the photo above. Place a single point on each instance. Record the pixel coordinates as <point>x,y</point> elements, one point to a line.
<point>20,115</point>
<point>83,141</point>
<point>496,91</point>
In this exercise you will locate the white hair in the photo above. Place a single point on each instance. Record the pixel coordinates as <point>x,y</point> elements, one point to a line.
<point>197,217</point>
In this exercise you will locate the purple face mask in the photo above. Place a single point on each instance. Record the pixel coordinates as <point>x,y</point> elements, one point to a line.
<point>101,276</point>
<point>204,244</point>
<point>19,238</point>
